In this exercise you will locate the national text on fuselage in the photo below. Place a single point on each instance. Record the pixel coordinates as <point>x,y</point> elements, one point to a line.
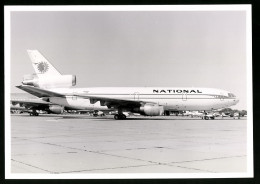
<point>176,91</point>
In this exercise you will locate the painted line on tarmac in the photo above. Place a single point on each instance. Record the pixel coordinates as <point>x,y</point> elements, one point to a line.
<point>31,165</point>
<point>52,120</point>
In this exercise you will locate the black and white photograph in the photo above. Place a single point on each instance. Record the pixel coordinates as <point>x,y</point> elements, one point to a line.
<point>128,92</point>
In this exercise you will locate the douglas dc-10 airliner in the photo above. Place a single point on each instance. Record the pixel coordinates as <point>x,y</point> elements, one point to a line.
<point>55,88</point>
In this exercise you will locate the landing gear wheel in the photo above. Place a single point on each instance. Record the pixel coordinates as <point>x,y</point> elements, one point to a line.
<point>119,116</point>
<point>122,116</point>
<point>116,117</point>
<point>206,118</point>
<point>34,114</point>
<point>167,113</point>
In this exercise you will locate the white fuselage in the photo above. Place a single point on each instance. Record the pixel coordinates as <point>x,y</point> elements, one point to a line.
<point>172,99</point>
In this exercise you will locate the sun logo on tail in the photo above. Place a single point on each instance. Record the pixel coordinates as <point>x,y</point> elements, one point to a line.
<point>43,67</point>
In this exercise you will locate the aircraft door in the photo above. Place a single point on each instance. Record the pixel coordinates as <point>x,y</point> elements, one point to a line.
<point>136,96</point>
<point>74,97</point>
<point>221,97</point>
<point>184,97</point>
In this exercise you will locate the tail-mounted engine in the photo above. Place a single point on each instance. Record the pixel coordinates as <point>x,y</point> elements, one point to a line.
<point>50,81</point>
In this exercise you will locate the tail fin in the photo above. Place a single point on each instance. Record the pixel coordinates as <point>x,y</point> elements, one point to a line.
<point>41,65</point>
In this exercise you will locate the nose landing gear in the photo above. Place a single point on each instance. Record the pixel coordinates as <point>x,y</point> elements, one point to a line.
<point>120,115</point>
<point>207,116</point>
<point>34,113</point>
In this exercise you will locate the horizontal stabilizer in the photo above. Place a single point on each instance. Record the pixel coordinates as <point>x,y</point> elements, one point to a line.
<point>33,102</point>
<point>39,92</point>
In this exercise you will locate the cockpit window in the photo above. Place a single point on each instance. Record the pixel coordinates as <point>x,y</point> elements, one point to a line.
<point>231,95</point>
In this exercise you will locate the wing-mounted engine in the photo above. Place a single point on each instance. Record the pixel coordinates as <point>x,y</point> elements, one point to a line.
<point>50,81</point>
<point>56,109</point>
<point>150,110</point>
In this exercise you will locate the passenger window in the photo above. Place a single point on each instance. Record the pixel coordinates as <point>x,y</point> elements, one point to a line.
<point>231,95</point>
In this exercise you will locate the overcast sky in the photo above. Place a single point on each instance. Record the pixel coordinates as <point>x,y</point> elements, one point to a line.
<point>116,49</point>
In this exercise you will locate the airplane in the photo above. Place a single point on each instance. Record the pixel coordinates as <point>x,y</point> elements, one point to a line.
<point>24,102</point>
<point>17,109</point>
<point>32,104</point>
<point>55,88</point>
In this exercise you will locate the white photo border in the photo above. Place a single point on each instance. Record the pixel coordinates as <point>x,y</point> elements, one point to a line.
<point>7,50</point>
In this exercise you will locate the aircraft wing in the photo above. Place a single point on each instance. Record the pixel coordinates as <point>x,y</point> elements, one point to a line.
<point>110,102</point>
<point>114,102</point>
<point>31,103</point>
<point>39,92</point>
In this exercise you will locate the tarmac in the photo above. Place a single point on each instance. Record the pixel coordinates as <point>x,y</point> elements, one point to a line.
<point>84,144</point>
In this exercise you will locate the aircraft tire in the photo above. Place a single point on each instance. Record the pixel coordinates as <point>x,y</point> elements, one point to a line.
<point>206,118</point>
<point>119,116</point>
<point>167,113</point>
<point>116,117</point>
<point>122,116</point>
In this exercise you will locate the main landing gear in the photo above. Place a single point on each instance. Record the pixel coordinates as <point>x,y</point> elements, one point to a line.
<point>34,113</point>
<point>120,116</point>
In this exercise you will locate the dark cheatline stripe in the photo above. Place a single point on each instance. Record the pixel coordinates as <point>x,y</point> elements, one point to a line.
<point>141,96</point>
